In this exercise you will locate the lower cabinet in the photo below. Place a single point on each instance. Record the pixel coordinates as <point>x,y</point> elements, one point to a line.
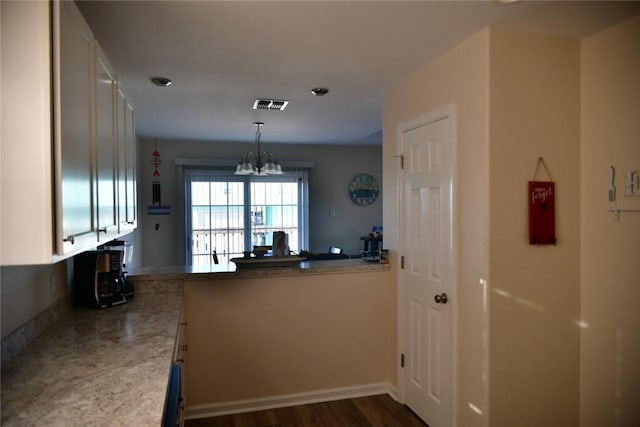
<point>172,406</point>
<point>175,401</point>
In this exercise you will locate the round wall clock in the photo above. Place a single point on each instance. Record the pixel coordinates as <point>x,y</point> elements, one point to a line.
<point>363,189</point>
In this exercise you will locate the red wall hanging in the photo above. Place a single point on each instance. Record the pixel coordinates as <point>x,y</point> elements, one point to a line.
<point>542,209</point>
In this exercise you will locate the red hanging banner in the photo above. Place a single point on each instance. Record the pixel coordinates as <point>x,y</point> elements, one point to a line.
<point>542,209</point>
<point>542,213</point>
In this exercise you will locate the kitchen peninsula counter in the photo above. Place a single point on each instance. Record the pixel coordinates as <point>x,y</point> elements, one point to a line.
<point>261,335</point>
<point>96,367</point>
<point>230,271</point>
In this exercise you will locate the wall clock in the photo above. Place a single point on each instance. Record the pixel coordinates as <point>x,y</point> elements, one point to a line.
<point>363,189</point>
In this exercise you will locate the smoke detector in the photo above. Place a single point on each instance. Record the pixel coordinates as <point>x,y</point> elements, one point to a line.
<point>270,104</point>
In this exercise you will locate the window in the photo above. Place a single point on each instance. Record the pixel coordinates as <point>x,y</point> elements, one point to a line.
<point>227,214</point>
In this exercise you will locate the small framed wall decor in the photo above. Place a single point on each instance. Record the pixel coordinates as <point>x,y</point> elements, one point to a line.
<point>363,189</point>
<point>542,209</point>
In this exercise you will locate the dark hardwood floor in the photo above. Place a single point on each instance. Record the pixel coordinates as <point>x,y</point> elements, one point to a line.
<point>374,411</point>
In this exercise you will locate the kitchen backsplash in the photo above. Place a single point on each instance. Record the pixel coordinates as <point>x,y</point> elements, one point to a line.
<point>17,340</point>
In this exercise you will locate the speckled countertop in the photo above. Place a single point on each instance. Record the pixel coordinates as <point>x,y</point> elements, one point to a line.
<point>230,271</point>
<point>94,367</point>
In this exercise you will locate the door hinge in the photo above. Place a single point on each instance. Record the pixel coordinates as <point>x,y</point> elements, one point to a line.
<point>402,360</point>
<point>402,261</point>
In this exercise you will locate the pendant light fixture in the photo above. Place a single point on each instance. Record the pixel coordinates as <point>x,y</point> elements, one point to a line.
<point>258,162</point>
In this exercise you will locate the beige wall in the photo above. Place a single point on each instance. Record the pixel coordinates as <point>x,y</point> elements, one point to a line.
<point>334,166</point>
<point>460,77</point>
<point>516,98</point>
<point>610,339</point>
<point>257,338</point>
<point>535,290</point>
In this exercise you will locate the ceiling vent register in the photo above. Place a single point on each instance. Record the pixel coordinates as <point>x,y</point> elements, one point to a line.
<point>270,104</point>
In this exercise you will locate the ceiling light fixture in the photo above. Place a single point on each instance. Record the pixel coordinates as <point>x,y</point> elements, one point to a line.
<point>161,81</point>
<point>258,162</point>
<point>319,91</point>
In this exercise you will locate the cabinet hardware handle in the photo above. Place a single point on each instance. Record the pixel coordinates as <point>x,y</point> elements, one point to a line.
<point>183,347</point>
<point>102,230</point>
<point>130,222</point>
<point>183,324</point>
<point>70,239</point>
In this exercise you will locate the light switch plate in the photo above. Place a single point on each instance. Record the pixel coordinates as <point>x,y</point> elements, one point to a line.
<point>632,182</point>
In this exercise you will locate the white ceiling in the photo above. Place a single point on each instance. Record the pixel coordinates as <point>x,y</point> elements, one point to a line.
<point>222,55</point>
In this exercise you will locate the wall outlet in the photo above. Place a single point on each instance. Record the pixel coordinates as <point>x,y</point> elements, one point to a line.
<point>632,183</point>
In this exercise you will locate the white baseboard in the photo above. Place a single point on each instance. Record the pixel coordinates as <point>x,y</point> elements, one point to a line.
<point>271,402</point>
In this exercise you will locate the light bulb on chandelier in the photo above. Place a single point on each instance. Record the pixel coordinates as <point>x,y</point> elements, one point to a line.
<point>258,162</point>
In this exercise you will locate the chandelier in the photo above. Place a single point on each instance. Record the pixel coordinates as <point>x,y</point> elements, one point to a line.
<point>258,162</point>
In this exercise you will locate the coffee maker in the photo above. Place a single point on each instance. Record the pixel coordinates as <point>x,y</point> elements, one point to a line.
<point>99,279</point>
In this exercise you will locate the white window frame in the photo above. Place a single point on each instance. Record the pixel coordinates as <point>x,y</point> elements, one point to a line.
<point>187,173</point>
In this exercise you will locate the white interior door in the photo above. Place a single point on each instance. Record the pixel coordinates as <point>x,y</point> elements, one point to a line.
<point>427,277</point>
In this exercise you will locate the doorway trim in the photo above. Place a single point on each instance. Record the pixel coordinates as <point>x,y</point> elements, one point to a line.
<point>447,111</point>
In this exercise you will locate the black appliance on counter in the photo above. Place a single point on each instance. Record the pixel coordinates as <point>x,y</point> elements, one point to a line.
<point>98,279</point>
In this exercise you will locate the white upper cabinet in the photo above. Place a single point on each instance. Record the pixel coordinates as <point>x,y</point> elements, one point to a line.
<point>66,170</point>
<point>132,204</point>
<point>73,76</point>
<point>26,220</point>
<point>127,199</point>
<point>105,147</point>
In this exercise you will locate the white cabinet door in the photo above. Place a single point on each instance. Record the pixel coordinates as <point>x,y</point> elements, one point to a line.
<point>73,91</point>
<point>121,102</point>
<point>26,220</point>
<point>130,131</point>
<point>127,204</point>
<point>105,147</point>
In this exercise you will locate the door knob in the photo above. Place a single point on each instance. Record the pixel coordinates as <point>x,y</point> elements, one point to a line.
<point>441,299</point>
